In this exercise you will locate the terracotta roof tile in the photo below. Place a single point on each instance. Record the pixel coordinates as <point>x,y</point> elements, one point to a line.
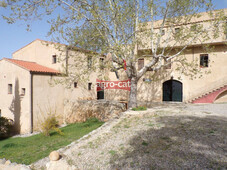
<point>32,66</point>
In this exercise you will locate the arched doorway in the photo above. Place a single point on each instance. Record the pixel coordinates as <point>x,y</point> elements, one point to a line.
<point>172,90</point>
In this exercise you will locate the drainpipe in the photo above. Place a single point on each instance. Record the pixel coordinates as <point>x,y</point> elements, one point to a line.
<point>66,61</point>
<point>31,102</point>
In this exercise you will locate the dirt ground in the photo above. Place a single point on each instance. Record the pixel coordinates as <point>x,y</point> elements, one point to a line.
<point>171,136</point>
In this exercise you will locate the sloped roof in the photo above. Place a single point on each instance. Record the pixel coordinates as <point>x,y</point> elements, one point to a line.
<point>32,66</point>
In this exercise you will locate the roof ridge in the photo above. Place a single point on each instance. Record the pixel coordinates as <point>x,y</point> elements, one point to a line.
<point>60,44</point>
<point>25,45</point>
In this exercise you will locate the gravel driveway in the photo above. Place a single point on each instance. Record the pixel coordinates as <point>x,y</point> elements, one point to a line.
<point>174,136</point>
<point>220,109</point>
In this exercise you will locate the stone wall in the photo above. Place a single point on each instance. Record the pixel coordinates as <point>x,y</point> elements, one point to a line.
<point>101,109</point>
<point>7,165</point>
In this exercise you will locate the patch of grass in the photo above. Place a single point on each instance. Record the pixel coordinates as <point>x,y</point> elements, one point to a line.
<point>139,108</point>
<point>211,132</point>
<point>126,126</point>
<point>91,145</point>
<point>70,161</point>
<point>30,149</point>
<point>112,152</point>
<point>144,143</point>
<point>151,124</point>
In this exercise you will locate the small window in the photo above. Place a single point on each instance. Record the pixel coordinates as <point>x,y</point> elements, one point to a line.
<point>204,59</point>
<point>54,59</point>
<point>163,32</point>
<point>89,62</point>
<point>10,88</point>
<point>140,63</point>
<point>75,84</point>
<point>89,86</point>
<point>101,63</point>
<point>177,30</point>
<point>22,91</point>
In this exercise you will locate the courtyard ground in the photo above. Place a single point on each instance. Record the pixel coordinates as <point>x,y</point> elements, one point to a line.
<point>170,136</point>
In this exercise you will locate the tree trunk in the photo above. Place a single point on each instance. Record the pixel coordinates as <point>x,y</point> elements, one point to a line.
<point>133,94</point>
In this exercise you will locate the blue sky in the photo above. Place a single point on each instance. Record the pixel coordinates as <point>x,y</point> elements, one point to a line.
<point>15,36</point>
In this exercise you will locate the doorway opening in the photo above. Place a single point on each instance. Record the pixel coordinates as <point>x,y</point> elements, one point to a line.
<point>172,91</point>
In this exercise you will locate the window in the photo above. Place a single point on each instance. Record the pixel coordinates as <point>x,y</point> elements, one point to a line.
<point>89,86</point>
<point>22,91</point>
<point>101,63</point>
<point>177,30</point>
<point>10,88</point>
<point>54,59</point>
<point>204,59</point>
<point>89,62</point>
<point>75,84</point>
<point>163,32</point>
<point>140,63</point>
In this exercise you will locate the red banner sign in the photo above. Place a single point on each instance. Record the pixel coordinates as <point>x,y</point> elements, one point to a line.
<point>103,85</point>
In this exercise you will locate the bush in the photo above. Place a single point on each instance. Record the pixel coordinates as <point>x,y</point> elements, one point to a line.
<point>49,124</point>
<point>6,126</point>
<point>139,108</point>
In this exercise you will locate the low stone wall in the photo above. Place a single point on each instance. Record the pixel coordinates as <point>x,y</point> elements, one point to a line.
<point>101,109</point>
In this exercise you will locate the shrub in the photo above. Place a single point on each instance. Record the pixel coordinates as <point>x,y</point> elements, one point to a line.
<point>139,108</point>
<point>49,124</point>
<point>6,126</point>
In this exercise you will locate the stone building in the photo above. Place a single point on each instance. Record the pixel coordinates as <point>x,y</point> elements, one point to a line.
<point>31,82</point>
<point>32,86</point>
<point>209,57</point>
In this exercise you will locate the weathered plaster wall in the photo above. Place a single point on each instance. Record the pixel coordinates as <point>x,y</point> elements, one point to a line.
<point>15,106</point>
<point>41,52</point>
<point>211,77</point>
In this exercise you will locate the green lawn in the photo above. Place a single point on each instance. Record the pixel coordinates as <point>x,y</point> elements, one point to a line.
<point>30,149</point>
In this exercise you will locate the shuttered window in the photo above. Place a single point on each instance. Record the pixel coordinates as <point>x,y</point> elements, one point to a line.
<point>140,63</point>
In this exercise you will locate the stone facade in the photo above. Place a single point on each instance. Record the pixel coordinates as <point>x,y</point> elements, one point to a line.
<point>101,109</point>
